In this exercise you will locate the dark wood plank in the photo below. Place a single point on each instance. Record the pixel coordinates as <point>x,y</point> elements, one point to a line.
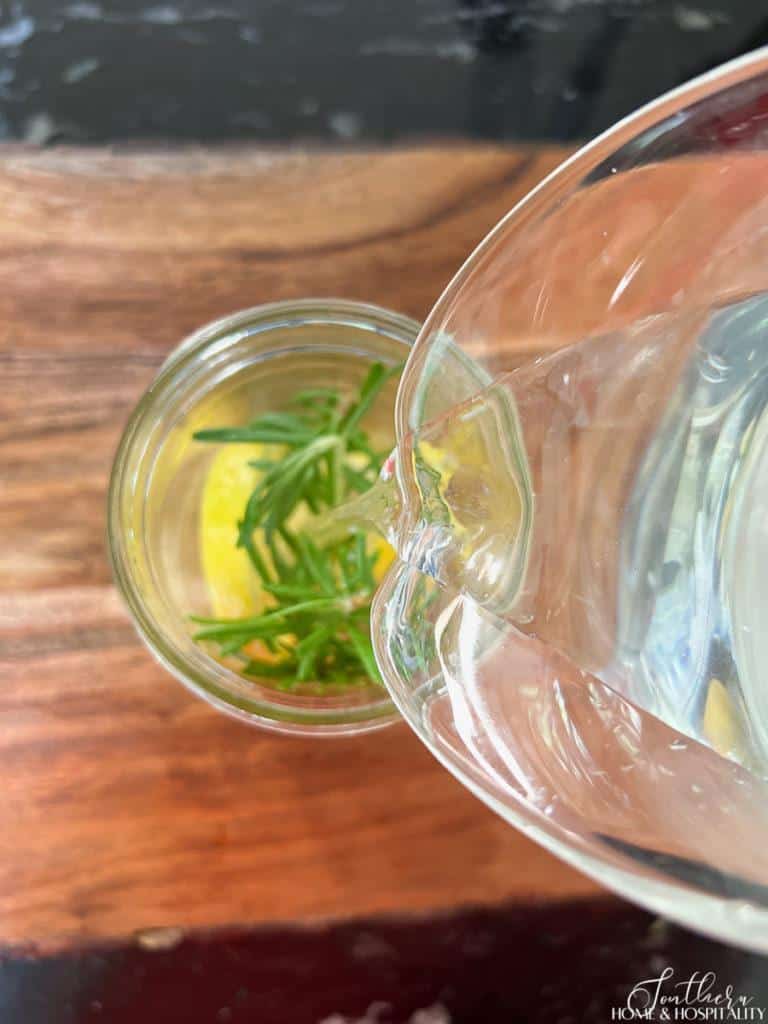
<point>128,804</point>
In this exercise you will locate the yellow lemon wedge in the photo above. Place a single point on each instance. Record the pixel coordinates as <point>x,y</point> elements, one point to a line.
<point>233,586</point>
<point>721,725</point>
<point>386,555</point>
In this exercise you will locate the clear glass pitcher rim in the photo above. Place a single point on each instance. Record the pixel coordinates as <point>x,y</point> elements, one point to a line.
<point>573,168</point>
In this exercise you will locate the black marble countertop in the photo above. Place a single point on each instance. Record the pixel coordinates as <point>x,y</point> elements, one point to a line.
<point>579,963</point>
<point>351,70</point>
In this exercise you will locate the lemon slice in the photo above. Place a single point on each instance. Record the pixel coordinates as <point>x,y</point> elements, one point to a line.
<point>385,552</point>
<point>234,588</point>
<point>721,725</point>
<point>233,585</point>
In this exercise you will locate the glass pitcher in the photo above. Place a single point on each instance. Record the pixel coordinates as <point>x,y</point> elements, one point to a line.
<point>575,625</point>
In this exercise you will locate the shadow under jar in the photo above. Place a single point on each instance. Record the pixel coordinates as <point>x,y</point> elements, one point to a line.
<point>226,374</point>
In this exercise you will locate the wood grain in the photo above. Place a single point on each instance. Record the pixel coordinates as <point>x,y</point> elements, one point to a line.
<point>127,803</point>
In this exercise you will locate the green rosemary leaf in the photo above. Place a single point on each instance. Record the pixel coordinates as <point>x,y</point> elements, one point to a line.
<point>336,476</point>
<point>359,443</point>
<point>285,421</point>
<point>292,592</point>
<point>234,644</point>
<point>374,381</point>
<point>364,649</point>
<point>356,480</point>
<point>290,540</point>
<point>254,555</point>
<point>309,650</point>
<point>268,669</point>
<point>311,502</point>
<point>253,435</point>
<point>316,564</point>
<point>278,560</point>
<point>308,396</point>
<point>223,627</point>
<point>313,638</point>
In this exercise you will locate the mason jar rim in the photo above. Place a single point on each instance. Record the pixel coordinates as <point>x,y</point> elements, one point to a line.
<point>200,673</point>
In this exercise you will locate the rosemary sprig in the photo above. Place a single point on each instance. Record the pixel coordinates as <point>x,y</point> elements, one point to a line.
<point>316,627</point>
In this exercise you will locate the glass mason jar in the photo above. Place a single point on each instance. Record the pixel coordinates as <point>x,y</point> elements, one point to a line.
<point>228,372</point>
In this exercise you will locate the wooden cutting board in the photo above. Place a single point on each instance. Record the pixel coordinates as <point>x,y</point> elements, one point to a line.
<point>126,803</point>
